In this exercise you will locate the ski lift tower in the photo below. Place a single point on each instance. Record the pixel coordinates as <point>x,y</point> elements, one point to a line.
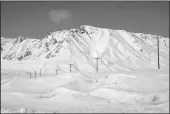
<point>96,57</point>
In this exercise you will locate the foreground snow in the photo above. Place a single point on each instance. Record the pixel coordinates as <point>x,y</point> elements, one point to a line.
<point>133,91</point>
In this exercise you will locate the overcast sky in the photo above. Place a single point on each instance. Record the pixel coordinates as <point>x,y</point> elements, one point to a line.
<point>35,19</point>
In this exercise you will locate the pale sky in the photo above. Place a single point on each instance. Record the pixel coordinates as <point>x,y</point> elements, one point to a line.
<point>35,19</point>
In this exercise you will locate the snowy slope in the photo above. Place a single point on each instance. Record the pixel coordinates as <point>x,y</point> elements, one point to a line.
<point>117,49</point>
<point>36,73</point>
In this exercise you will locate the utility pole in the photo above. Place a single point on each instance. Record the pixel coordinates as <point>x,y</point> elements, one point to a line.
<point>158,52</point>
<point>97,63</point>
<point>70,67</point>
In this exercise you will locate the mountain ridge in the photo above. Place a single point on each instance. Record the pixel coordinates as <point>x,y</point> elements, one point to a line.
<point>117,49</point>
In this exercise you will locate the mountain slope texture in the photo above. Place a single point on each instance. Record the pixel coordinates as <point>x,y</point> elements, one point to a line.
<point>117,49</point>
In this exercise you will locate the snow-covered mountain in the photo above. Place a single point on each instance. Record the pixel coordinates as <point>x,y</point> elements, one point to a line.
<point>117,49</point>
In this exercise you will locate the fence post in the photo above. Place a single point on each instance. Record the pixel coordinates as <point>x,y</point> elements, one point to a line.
<point>56,71</point>
<point>35,74</point>
<point>40,72</point>
<point>30,75</point>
